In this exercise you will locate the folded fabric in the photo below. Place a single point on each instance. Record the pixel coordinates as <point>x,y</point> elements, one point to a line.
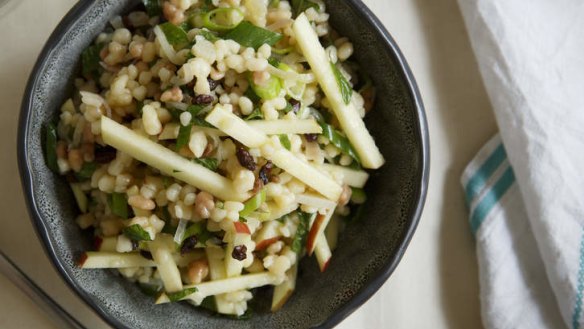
<point>515,291</point>
<point>530,57</point>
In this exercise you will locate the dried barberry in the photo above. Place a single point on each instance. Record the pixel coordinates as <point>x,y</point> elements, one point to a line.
<point>104,154</point>
<point>189,244</point>
<point>265,172</point>
<point>203,99</point>
<point>295,105</point>
<point>245,159</point>
<point>212,83</point>
<point>146,254</point>
<point>311,137</point>
<point>239,252</point>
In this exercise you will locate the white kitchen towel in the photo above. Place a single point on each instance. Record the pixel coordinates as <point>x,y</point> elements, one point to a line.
<point>531,241</point>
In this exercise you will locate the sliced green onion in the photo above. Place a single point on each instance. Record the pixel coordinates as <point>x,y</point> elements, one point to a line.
<point>253,204</point>
<point>344,85</point>
<point>222,19</point>
<point>119,205</point>
<point>285,141</point>
<point>282,51</point>
<point>209,163</point>
<point>249,35</point>
<point>153,7</point>
<point>176,36</point>
<point>176,296</point>
<point>80,197</point>
<point>90,59</point>
<point>86,171</point>
<point>274,3</point>
<point>339,141</point>
<point>358,195</point>
<point>300,6</point>
<point>210,36</point>
<point>269,90</point>
<point>51,147</point>
<point>136,232</point>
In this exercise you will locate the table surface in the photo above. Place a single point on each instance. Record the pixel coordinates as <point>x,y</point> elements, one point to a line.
<point>436,284</point>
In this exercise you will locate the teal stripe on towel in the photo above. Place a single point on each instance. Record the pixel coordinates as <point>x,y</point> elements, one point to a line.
<point>480,177</point>
<point>578,303</point>
<point>491,198</point>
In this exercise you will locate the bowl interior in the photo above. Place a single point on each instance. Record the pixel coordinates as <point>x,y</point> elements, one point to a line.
<point>368,250</point>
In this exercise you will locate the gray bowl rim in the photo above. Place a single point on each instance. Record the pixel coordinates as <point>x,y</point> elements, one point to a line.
<point>340,314</point>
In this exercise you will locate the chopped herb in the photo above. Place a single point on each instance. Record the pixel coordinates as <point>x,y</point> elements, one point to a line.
<point>344,85</point>
<point>153,7</point>
<point>119,205</point>
<point>209,163</point>
<point>274,61</point>
<point>250,93</point>
<point>357,214</point>
<point>195,110</point>
<point>300,6</point>
<point>166,181</point>
<point>285,141</point>
<point>184,135</point>
<point>299,240</point>
<point>139,107</point>
<point>136,232</point>
<point>358,195</point>
<point>175,35</point>
<point>176,296</point>
<point>339,141</point>
<point>243,220</point>
<point>355,166</point>
<point>150,289</point>
<point>174,171</point>
<point>209,304</point>
<point>255,115</point>
<point>86,171</point>
<point>283,219</point>
<point>51,147</point>
<point>254,203</point>
<point>201,122</point>
<point>90,59</point>
<point>249,35</point>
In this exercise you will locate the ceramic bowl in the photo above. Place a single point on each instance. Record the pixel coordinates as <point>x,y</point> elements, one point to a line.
<point>368,251</point>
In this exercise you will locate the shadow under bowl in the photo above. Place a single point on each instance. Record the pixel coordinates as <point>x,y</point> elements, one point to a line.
<point>368,250</point>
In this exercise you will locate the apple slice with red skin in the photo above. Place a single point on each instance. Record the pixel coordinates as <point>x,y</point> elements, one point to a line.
<point>316,229</point>
<point>240,236</point>
<point>283,291</point>
<point>323,253</point>
<point>268,234</point>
